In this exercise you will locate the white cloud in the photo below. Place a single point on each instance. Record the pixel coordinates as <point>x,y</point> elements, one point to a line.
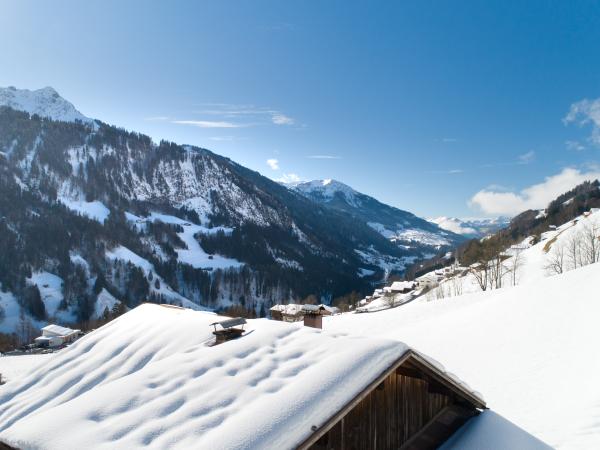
<point>536,196</point>
<point>324,157</point>
<point>281,119</point>
<point>289,178</point>
<point>209,124</point>
<point>273,164</point>
<point>526,158</point>
<point>575,146</point>
<point>449,139</point>
<point>446,172</point>
<point>586,112</point>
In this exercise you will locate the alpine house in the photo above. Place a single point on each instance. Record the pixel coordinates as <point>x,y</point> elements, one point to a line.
<point>154,378</point>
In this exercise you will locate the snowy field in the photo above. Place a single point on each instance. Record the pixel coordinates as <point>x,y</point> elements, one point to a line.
<point>530,349</point>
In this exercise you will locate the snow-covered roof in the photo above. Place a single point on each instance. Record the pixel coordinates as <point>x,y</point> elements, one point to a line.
<point>58,330</point>
<point>402,285</point>
<point>291,308</point>
<point>165,388</point>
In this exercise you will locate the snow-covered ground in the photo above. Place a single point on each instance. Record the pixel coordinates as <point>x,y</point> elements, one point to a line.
<point>95,210</point>
<point>105,301</point>
<point>530,349</point>
<point>50,287</point>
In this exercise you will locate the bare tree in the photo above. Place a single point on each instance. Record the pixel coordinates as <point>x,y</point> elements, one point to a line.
<point>389,299</point>
<point>481,273</point>
<point>573,251</point>
<point>555,262</point>
<point>457,286</point>
<point>514,265</point>
<point>497,272</point>
<point>590,243</point>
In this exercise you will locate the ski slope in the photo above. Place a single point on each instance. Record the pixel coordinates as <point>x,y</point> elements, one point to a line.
<point>531,350</point>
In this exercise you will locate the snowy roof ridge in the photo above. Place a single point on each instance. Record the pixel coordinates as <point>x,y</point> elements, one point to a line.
<point>148,378</point>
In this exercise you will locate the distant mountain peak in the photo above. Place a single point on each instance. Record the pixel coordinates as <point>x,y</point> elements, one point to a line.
<point>326,190</point>
<point>45,102</point>
<point>472,227</point>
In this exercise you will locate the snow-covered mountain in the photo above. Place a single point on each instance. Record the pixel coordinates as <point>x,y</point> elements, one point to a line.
<point>400,227</point>
<point>471,227</point>
<point>116,219</point>
<point>44,102</point>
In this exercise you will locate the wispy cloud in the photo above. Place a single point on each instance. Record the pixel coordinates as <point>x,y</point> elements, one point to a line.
<point>446,172</point>
<point>526,158</point>
<point>586,112</point>
<point>324,157</point>
<point>537,196</point>
<point>282,119</point>
<point>209,123</point>
<point>289,178</point>
<point>259,115</point>
<point>449,139</point>
<point>273,164</point>
<point>575,146</point>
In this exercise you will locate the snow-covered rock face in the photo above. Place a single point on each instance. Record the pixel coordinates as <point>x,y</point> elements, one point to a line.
<point>327,190</point>
<point>44,102</point>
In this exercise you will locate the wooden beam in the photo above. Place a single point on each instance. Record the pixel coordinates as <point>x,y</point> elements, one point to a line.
<point>414,361</point>
<point>439,428</point>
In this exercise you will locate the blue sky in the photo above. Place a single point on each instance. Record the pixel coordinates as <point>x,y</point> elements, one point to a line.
<point>439,108</point>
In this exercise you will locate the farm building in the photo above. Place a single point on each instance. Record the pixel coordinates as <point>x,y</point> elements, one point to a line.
<point>295,313</point>
<point>401,287</point>
<point>55,336</point>
<point>277,386</point>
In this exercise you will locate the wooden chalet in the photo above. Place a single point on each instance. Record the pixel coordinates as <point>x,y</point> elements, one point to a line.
<point>413,405</point>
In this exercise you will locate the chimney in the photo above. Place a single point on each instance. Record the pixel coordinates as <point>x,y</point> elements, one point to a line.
<point>313,316</point>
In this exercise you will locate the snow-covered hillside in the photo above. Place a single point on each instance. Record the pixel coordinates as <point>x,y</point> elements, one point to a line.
<point>527,262</point>
<point>44,102</point>
<point>530,349</point>
<point>471,227</point>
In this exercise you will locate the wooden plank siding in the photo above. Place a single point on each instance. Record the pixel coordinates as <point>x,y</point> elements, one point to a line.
<point>408,408</point>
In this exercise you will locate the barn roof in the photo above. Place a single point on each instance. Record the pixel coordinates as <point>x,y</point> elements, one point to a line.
<point>166,388</point>
<point>58,330</point>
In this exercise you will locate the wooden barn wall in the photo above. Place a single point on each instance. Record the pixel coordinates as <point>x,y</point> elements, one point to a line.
<point>387,417</point>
